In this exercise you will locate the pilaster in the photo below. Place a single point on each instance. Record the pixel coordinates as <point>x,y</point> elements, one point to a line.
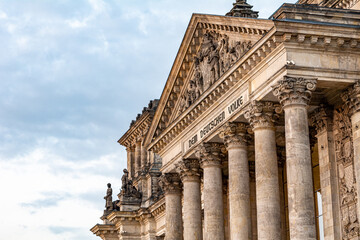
<point>322,120</point>
<point>351,97</point>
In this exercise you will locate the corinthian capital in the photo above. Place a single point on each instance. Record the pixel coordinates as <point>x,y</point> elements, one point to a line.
<point>294,91</point>
<point>210,154</point>
<point>234,135</point>
<point>351,97</point>
<point>262,114</point>
<point>321,119</point>
<point>170,183</point>
<point>189,169</point>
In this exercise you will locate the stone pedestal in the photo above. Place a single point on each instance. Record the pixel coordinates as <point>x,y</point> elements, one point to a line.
<point>210,158</point>
<point>171,184</point>
<point>235,138</point>
<point>261,116</point>
<point>190,175</point>
<point>294,94</point>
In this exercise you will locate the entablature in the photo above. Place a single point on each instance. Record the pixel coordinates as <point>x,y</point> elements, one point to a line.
<point>300,33</point>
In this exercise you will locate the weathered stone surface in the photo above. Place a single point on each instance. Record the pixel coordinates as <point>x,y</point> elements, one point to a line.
<point>261,116</point>
<point>171,184</point>
<point>236,138</point>
<point>210,158</point>
<point>294,94</point>
<point>189,170</point>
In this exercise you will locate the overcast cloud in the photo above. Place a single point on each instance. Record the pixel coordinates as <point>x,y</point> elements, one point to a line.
<point>73,74</point>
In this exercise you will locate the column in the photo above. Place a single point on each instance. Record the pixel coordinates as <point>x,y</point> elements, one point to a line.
<point>321,119</point>
<point>261,116</point>
<point>144,153</point>
<point>294,94</point>
<point>189,170</point>
<point>132,157</point>
<point>235,138</point>
<point>129,162</point>
<point>281,163</point>
<point>210,160</point>
<point>137,157</point>
<point>171,184</point>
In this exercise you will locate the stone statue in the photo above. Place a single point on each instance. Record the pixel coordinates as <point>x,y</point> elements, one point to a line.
<point>124,179</point>
<point>108,199</point>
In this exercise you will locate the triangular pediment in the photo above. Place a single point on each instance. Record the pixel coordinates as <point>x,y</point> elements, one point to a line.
<point>211,45</point>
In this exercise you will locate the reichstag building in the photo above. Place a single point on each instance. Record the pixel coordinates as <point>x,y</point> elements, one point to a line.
<point>255,136</point>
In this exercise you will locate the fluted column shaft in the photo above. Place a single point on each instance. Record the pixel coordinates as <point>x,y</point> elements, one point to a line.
<point>171,184</point>
<point>213,191</point>
<point>262,117</point>
<point>190,175</point>
<point>294,95</point>
<point>235,138</point>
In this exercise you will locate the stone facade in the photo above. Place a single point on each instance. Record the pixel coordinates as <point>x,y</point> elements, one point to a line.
<point>256,135</point>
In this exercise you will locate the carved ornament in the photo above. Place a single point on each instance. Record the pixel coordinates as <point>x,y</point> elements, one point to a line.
<point>351,97</point>
<point>345,164</point>
<point>262,114</point>
<point>235,135</point>
<point>293,90</point>
<point>210,154</point>
<point>216,55</point>
<point>170,183</point>
<point>189,169</point>
<point>321,119</point>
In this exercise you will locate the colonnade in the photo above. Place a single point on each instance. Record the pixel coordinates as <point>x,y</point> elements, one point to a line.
<point>294,96</point>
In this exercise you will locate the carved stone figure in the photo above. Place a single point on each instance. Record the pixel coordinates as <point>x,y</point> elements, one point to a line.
<point>125,179</point>
<point>108,199</point>
<point>216,55</point>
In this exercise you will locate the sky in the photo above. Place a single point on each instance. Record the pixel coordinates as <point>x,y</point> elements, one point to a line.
<point>73,74</point>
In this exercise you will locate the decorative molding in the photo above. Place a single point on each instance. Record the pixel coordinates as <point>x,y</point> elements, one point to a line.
<point>294,90</point>
<point>262,114</point>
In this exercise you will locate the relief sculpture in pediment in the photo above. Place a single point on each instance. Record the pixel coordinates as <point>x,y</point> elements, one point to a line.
<point>216,55</point>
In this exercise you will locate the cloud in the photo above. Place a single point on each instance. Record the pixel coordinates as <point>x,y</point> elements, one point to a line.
<point>73,76</point>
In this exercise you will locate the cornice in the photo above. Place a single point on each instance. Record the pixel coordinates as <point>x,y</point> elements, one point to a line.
<point>300,33</point>
<point>103,229</point>
<point>140,127</point>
